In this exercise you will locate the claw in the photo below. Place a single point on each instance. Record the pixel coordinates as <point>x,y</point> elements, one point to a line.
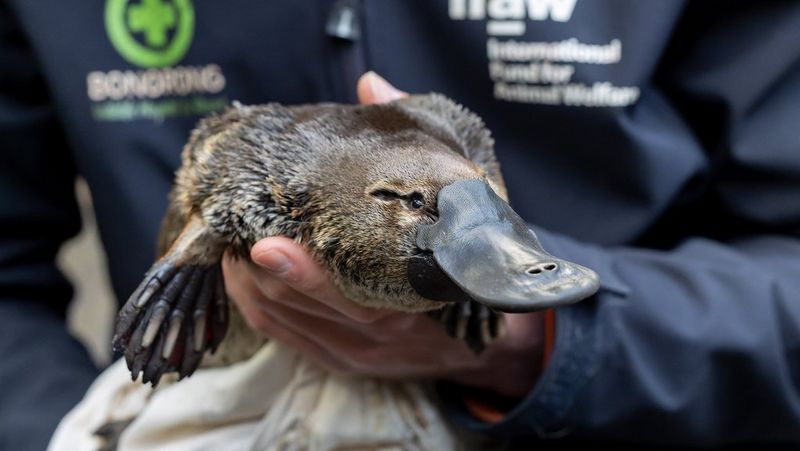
<point>161,277</point>
<point>219,322</point>
<point>485,326</point>
<point>188,296</point>
<point>189,316</point>
<point>191,357</point>
<point>153,324</point>
<point>475,323</point>
<point>156,278</point>
<point>172,334</point>
<point>200,319</point>
<point>155,367</point>
<point>200,315</point>
<point>136,362</point>
<point>462,320</point>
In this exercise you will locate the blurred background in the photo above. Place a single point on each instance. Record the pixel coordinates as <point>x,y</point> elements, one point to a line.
<point>83,261</point>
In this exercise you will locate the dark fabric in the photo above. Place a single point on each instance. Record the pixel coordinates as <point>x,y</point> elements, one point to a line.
<point>44,372</point>
<point>695,347</point>
<point>686,201</point>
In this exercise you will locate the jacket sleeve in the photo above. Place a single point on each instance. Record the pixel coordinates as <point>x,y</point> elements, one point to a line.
<point>698,343</point>
<point>43,370</point>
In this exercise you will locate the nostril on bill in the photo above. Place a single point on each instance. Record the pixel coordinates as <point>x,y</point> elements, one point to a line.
<point>540,268</point>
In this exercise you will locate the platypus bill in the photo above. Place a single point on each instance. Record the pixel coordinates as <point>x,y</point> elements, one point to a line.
<point>404,203</point>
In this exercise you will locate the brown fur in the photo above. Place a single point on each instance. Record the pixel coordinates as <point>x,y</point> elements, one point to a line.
<point>316,173</point>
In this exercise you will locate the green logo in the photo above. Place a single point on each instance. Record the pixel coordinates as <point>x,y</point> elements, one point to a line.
<point>150,33</point>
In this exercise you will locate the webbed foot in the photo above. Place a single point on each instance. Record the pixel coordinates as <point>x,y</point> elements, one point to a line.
<point>476,324</point>
<point>175,315</point>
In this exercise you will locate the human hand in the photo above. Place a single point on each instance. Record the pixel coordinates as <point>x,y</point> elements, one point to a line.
<point>286,295</point>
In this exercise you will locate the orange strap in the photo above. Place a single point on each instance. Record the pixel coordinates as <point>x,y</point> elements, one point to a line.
<point>483,410</point>
<point>549,336</point>
<point>490,413</point>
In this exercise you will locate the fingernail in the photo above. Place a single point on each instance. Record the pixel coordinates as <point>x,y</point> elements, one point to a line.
<point>273,261</point>
<point>382,89</point>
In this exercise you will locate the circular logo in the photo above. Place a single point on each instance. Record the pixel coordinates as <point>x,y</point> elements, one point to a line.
<point>150,33</point>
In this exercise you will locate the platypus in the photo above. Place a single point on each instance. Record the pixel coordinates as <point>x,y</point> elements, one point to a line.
<point>404,203</point>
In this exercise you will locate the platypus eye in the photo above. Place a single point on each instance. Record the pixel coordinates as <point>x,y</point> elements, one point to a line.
<point>416,201</point>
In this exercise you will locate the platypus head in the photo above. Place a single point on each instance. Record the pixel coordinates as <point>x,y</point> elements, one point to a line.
<point>411,212</point>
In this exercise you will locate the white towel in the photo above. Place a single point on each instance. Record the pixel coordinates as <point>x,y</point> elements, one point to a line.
<point>275,400</point>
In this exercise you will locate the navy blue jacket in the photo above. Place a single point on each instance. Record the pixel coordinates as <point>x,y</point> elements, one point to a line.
<point>656,142</point>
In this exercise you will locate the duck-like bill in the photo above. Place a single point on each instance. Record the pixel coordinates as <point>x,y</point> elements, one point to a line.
<point>480,248</point>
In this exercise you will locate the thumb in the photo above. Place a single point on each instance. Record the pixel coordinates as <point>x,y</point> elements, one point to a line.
<point>372,88</point>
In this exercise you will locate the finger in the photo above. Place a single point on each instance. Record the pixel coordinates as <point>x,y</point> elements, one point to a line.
<point>372,88</point>
<point>243,291</point>
<point>276,290</point>
<point>287,297</point>
<point>240,287</point>
<point>396,346</point>
<point>262,321</point>
<point>293,264</point>
<point>410,328</point>
<point>247,282</point>
<point>283,326</point>
<point>400,345</point>
<point>326,333</point>
<point>355,351</point>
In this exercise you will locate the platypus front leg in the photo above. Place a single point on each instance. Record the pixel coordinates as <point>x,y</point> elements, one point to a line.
<point>178,311</point>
